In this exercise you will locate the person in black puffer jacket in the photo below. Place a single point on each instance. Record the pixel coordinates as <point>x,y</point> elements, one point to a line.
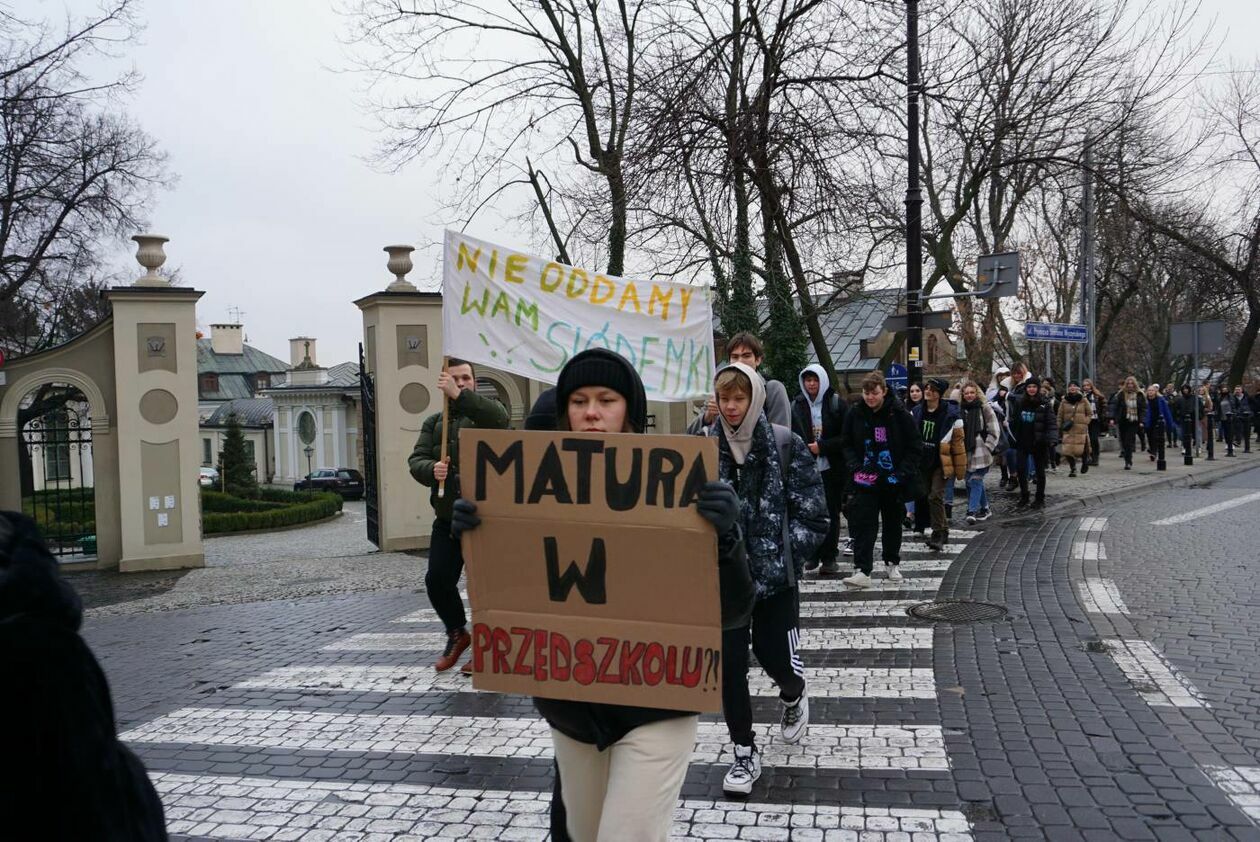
<point>621,767</point>
<point>65,774</point>
<point>1036,432</point>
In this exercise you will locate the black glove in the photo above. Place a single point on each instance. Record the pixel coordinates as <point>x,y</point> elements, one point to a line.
<point>463,517</point>
<point>719,505</point>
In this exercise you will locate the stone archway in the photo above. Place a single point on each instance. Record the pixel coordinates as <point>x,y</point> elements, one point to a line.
<point>84,364</point>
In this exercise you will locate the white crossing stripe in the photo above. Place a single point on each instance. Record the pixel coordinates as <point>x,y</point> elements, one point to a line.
<point>876,637</point>
<point>1241,784</point>
<point>1089,550</point>
<point>922,547</point>
<point>232,807</point>
<point>868,608</point>
<point>826,746</point>
<point>1093,524</point>
<point>1157,681</point>
<point>1101,596</point>
<point>1207,510</point>
<point>824,682</point>
<point>878,583</point>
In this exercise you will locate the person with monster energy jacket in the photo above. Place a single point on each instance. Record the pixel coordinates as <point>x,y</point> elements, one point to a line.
<point>939,422</point>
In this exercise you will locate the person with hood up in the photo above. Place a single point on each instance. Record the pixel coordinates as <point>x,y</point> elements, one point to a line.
<point>783,514</point>
<point>746,348</point>
<point>430,466</point>
<point>882,449</point>
<point>1241,406</point>
<point>1074,415</point>
<point>66,775</point>
<point>981,435</point>
<point>941,428</point>
<point>1035,432</point>
<point>621,767</point>
<point>818,418</point>
<point>1159,420</point>
<point>1128,411</point>
<point>1189,407</point>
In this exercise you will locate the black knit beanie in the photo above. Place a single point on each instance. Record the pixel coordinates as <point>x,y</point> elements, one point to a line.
<point>542,416</point>
<point>599,367</point>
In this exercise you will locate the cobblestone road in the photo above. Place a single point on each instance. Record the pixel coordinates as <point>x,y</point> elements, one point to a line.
<point>1120,700</point>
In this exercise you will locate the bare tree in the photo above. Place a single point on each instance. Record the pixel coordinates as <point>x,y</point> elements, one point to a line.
<point>76,173</point>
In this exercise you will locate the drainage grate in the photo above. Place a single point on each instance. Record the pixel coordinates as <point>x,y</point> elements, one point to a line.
<point>957,611</point>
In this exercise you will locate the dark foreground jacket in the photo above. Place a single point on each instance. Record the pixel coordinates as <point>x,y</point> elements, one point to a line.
<point>65,775</point>
<point>1033,424</point>
<point>468,410</point>
<point>900,454</point>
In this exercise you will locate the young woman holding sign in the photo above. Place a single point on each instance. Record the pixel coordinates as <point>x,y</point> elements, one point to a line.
<point>783,512</point>
<point>621,768</point>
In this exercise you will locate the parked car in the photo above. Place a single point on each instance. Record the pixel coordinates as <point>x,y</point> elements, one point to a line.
<point>345,481</point>
<point>209,477</point>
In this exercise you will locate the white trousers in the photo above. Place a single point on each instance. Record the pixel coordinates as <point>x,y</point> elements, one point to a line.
<point>629,791</point>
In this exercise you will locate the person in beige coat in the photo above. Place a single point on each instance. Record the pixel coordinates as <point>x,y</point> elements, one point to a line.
<point>1075,413</point>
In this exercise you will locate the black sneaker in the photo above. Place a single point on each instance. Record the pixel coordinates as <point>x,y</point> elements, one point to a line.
<point>983,514</point>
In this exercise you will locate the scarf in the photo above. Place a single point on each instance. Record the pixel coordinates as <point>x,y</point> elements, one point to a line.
<point>1130,405</point>
<point>972,423</point>
<point>740,440</point>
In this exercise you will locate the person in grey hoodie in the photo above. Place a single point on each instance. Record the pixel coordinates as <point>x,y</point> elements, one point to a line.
<point>818,418</point>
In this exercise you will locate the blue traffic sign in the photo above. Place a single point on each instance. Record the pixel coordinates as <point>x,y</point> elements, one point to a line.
<point>896,375</point>
<point>1050,332</point>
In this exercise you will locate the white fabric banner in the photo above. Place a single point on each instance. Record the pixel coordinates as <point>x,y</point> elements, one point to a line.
<point>528,315</point>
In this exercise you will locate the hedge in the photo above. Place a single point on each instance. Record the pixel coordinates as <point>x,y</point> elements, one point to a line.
<point>315,507</point>
<point>218,501</point>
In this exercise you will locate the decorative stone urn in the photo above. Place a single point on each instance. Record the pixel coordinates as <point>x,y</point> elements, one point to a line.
<point>399,265</point>
<point>151,256</point>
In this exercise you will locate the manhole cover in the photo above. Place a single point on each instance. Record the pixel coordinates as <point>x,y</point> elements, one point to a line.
<point>957,611</point>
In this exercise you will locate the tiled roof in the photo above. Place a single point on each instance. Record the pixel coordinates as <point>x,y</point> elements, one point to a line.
<point>250,412</point>
<point>231,386</point>
<point>251,361</point>
<point>846,323</point>
<point>340,376</point>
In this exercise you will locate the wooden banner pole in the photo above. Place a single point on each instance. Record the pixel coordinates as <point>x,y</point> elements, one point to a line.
<point>446,415</point>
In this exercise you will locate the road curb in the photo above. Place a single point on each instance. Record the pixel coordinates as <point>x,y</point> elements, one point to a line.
<point>1068,508</point>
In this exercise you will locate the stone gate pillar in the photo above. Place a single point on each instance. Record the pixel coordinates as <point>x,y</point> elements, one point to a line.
<point>402,348</point>
<point>155,359</point>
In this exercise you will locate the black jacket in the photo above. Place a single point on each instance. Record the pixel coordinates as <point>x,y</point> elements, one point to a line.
<point>1118,412</point>
<point>904,445</point>
<point>1033,423</point>
<point>61,741</point>
<point>833,413</point>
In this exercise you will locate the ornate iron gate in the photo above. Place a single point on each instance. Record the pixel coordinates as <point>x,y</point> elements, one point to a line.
<point>60,498</point>
<point>371,487</point>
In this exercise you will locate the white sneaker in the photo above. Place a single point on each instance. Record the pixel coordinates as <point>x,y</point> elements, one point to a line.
<point>894,572</point>
<point>795,720</point>
<point>744,772</point>
<point>857,580</point>
<point>848,546</point>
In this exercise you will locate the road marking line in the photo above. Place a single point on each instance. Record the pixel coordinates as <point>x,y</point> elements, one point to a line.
<point>826,746</point>
<point>925,583</point>
<point>867,608</point>
<point>813,638</point>
<point>1089,550</point>
<point>1241,784</point>
<point>1100,596</point>
<point>1207,510</point>
<point>1157,680</point>
<point>1093,524</point>
<point>824,682</point>
<point>228,806</point>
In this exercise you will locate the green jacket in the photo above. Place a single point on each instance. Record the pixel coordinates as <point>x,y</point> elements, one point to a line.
<point>468,410</point>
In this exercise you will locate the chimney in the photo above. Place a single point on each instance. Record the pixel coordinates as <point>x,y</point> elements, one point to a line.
<point>226,339</point>
<point>298,346</point>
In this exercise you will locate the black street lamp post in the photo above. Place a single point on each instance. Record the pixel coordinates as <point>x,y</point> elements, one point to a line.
<point>308,450</point>
<point>914,203</point>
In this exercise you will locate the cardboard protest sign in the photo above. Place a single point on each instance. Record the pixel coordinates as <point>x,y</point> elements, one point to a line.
<point>528,315</point>
<point>592,576</point>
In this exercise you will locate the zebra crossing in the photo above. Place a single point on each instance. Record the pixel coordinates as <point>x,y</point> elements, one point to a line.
<point>361,739</point>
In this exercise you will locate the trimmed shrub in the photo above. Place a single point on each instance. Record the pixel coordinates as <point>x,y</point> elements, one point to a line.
<point>217,501</point>
<point>314,507</point>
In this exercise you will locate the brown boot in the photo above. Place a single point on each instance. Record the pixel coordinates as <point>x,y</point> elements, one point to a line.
<point>456,642</point>
<point>467,668</point>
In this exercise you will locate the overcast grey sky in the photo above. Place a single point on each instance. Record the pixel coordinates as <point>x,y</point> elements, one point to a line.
<point>275,211</point>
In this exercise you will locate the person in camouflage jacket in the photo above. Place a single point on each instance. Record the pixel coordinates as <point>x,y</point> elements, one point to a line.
<point>430,467</point>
